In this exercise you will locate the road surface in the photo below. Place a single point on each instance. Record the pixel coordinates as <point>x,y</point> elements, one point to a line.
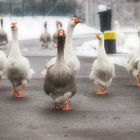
<point>112,117</point>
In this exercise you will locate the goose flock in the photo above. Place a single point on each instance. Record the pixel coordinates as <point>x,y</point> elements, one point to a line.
<point>61,71</point>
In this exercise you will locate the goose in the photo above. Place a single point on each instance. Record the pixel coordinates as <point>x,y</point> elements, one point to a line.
<point>45,37</point>
<point>3,59</point>
<point>60,83</point>
<point>133,63</point>
<point>121,38</point>
<point>70,57</point>
<point>58,26</point>
<point>3,35</point>
<point>17,67</point>
<point>103,70</point>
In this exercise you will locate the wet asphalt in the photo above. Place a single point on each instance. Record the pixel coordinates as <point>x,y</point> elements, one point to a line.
<point>111,117</point>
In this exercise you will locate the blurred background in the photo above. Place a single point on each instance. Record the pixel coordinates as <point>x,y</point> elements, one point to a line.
<point>123,17</point>
<point>126,11</point>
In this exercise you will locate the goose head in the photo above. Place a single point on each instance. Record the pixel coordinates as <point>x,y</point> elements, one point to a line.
<point>14,29</point>
<point>100,36</point>
<point>74,21</point>
<point>14,26</point>
<point>116,24</point>
<point>138,31</point>
<point>61,37</point>
<point>45,24</point>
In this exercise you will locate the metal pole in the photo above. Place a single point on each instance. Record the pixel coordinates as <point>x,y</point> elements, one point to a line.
<point>10,2</point>
<point>32,6</point>
<point>43,7</point>
<point>22,8</point>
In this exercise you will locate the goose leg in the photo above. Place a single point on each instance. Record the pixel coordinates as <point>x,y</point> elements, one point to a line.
<point>100,90</point>
<point>58,106</point>
<point>0,84</point>
<point>67,105</point>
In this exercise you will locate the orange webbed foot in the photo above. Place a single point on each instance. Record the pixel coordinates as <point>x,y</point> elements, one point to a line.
<point>138,84</point>
<point>67,106</point>
<point>100,90</point>
<point>18,94</point>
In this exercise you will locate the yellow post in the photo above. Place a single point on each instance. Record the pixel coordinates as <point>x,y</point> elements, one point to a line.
<point>110,41</point>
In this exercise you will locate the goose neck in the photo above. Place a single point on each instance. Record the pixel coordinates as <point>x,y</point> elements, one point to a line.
<point>15,36</point>
<point>45,26</point>
<point>101,49</point>
<point>139,41</point>
<point>1,22</point>
<point>69,33</point>
<point>60,49</point>
<point>15,50</point>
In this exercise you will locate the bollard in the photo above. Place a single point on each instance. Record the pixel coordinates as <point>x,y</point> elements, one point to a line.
<point>105,20</point>
<point>110,41</point>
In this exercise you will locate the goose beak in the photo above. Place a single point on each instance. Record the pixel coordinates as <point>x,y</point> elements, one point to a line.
<point>97,36</point>
<point>77,20</point>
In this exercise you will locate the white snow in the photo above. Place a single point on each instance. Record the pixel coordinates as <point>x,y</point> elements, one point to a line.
<point>102,8</point>
<point>32,27</point>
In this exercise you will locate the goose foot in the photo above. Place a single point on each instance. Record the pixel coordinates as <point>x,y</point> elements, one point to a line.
<point>138,84</point>
<point>137,81</point>
<point>18,94</point>
<point>67,105</point>
<point>100,90</point>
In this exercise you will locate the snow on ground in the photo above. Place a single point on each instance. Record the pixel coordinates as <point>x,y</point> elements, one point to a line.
<point>32,27</point>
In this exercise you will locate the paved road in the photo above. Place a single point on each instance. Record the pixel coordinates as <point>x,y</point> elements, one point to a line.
<point>112,117</point>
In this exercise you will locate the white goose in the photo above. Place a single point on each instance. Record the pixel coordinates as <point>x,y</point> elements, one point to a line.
<point>133,63</point>
<point>17,67</point>
<point>70,57</point>
<point>103,69</point>
<point>121,37</point>
<point>45,37</point>
<point>54,38</point>
<point>3,35</point>
<point>60,83</point>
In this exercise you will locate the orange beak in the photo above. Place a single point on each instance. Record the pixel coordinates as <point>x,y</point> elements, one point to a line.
<point>97,36</point>
<point>13,24</point>
<point>61,33</point>
<point>77,20</point>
